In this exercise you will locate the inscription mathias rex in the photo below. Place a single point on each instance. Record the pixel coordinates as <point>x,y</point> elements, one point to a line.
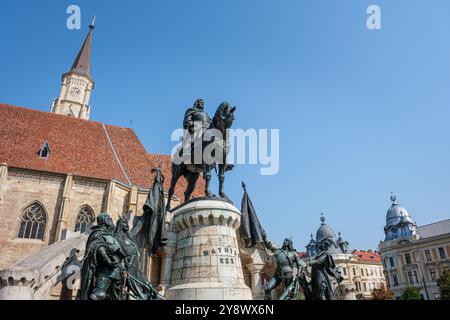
<point>224,255</point>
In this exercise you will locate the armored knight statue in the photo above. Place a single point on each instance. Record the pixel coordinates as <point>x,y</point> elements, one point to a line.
<point>290,271</point>
<point>204,147</point>
<point>134,283</point>
<point>101,273</point>
<point>323,270</point>
<point>111,262</point>
<point>196,115</point>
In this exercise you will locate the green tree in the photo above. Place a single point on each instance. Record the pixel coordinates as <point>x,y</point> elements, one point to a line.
<point>444,285</point>
<point>411,293</point>
<point>382,294</point>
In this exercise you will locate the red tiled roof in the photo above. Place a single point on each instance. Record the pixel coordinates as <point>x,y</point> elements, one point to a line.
<point>81,147</point>
<point>367,256</point>
<point>77,146</point>
<point>132,155</point>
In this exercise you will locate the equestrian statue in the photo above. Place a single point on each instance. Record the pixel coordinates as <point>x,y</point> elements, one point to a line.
<point>205,146</point>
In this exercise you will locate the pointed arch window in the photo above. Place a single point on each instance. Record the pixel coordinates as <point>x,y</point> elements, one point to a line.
<point>32,225</point>
<point>85,219</point>
<point>44,151</point>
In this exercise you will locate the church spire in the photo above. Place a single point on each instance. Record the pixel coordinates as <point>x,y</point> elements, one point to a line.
<point>77,84</point>
<point>82,63</point>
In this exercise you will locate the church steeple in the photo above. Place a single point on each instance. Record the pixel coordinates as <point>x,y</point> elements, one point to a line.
<point>77,83</point>
<point>82,63</point>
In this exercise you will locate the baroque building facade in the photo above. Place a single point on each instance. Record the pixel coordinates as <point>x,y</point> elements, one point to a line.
<point>362,270</point>
<point>414,256</point>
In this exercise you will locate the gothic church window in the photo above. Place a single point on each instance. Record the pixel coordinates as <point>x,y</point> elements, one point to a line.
<point>85,219</point>
<point>32,225</point>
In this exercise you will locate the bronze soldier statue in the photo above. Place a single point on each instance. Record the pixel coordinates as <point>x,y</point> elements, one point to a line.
<point>201,132</point>
<point>196,115</point>
<point>112,258</point>
<point>322,268</point>
<point>101,272</point>
<point>134,281</point>
<point>287,260</point>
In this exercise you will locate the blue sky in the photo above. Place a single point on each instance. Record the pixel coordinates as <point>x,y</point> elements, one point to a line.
<point>361,113</point>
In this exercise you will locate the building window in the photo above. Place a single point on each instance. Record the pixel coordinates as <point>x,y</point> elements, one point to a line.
<point>365,286</point>
<point>441,253</point>
<point>416,279</point>
<point>85,219</point>
<point>354,271</point>
<point>408,258</point>
<point>32,225</point>
<point>433,274</point>
<point>410,277</point>
<point>44,151</point>
<point>428,255</point>
<point>345,271</point>
<point>394,277</point>
<point>391,261</point>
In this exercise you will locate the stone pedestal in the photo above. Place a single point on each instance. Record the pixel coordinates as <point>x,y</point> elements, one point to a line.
<point>206,264</point>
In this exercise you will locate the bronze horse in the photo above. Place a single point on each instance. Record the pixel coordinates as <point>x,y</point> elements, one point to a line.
<point>222,120</point>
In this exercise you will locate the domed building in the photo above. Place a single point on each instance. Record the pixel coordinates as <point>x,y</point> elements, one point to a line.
<point>414,255</point>
<point>361,270</point>
<point>398,222</point>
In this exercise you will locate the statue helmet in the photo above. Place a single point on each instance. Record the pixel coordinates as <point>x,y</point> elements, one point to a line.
<point>288,243</point>
<point>121,222</point>
<point>198,102</point>
<point>326,242</point>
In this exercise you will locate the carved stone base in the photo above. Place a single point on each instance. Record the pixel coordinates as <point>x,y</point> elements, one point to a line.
<point>206,264</point>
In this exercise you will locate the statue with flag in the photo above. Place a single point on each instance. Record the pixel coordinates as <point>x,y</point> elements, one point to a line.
<point>251,230</point>
<point>290,271</point>
<point>153,228</point>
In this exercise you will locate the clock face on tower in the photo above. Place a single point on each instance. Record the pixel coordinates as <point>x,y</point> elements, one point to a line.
<point>74,91</point>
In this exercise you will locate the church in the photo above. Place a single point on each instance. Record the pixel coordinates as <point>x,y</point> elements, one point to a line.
<point>58,171</point>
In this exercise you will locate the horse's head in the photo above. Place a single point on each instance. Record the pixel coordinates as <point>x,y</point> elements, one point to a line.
<point>224,117</point>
